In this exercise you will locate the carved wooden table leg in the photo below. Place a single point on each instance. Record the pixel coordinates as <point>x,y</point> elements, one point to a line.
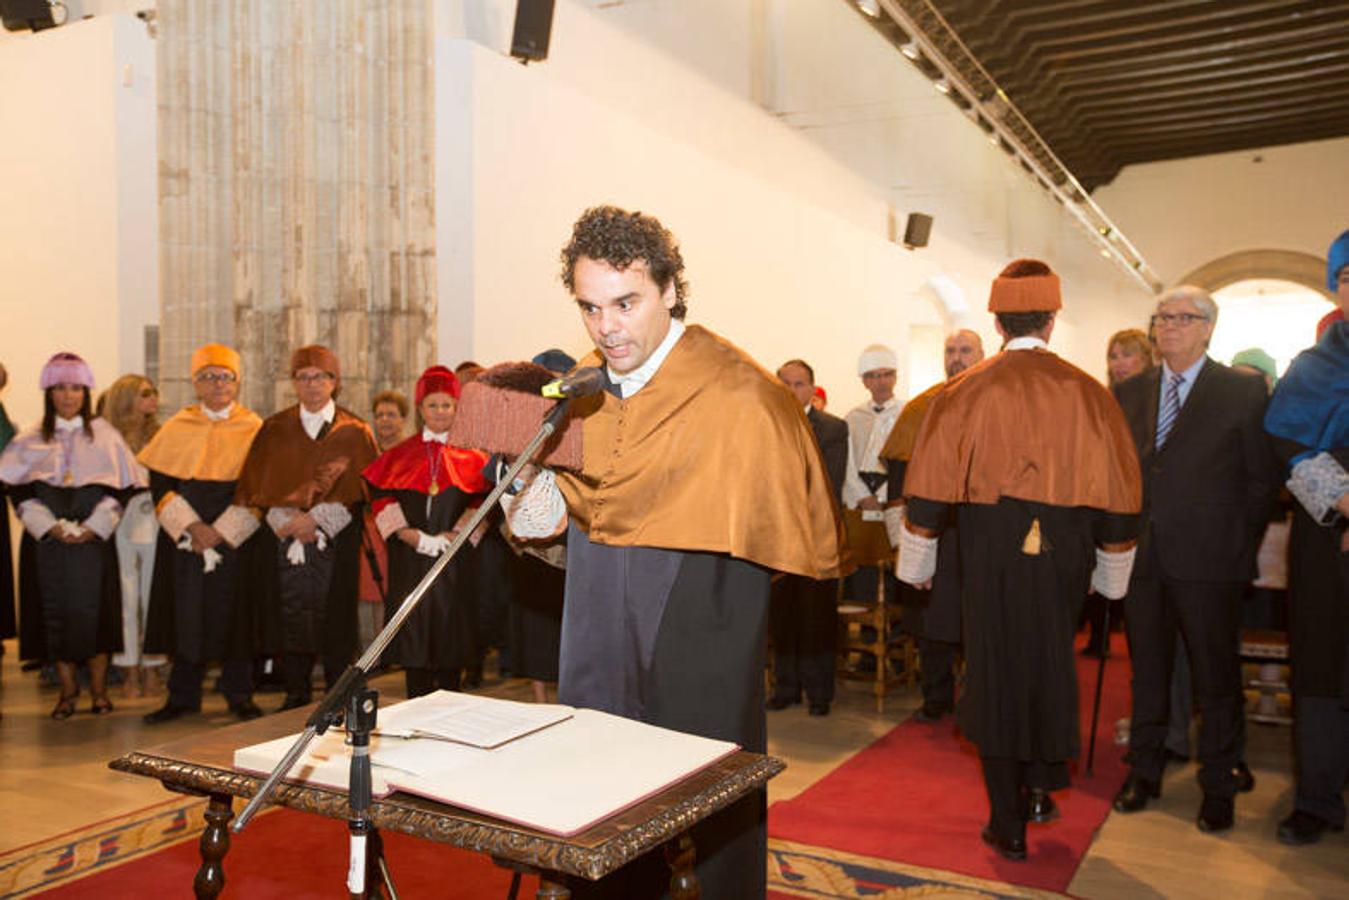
<point>215,843</point>
<point>551,890</point>
<point>680,854</point>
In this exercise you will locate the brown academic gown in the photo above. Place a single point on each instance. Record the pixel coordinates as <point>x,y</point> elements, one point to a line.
<point>692,490</point>
<point>312,606</point>
<point>1033,459</point>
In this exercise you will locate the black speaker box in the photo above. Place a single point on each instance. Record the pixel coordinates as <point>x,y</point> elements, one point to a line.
<point>25,15</point>
<point>917,230</point>
<point>533,27</point>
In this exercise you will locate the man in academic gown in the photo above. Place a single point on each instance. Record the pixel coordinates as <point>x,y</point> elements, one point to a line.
<point>803,613</point>
<point>934,615</point>
<point>699,478</point>
<point>1045,510</point>
<point>304,471</point>
<point>198,611</point>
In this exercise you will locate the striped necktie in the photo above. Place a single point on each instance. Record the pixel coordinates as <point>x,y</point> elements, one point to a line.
<point>1170,408</point>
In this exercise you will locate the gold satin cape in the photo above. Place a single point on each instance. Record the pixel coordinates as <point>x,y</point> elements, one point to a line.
<point>899,445</point>
<point>712,455</point>
<point>285,467</point>
<point>974,445</point>
<point>192,446</point>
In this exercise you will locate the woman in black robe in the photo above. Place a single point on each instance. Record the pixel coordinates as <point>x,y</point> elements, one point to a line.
<point>422,490</point>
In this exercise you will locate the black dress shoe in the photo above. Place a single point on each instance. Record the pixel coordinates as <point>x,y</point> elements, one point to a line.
<point>1242,779</point>
<point>776,703</point>
<point>293,702</point>
<point>1008,848</point>
<point>1304,828</point>
<point>166,713</point>
<point>819,709</point>
<point>1216,814</point>
<point>1040,807</point>
<point>245,710</point>
<point>931,712</point>
<point>1135,794</point>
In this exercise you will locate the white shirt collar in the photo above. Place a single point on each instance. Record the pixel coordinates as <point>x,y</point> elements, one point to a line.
<point>221,415</point>
<point>1026,342</point>
<point>1190,373</point>
<point>74,424</point>
<point>313,422</point>
<point>428,435</point>
<point>630,383</point>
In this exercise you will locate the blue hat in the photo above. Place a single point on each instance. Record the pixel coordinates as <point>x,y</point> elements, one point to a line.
<point>1339,258</point>
<point>555,361</point>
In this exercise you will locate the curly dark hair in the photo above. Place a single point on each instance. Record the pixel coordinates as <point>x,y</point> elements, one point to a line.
<point>619,237</point>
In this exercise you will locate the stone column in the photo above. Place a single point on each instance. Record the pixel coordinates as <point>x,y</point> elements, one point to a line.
<point>296,191</point>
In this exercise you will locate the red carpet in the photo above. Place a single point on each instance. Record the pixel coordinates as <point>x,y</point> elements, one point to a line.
<point>916,796</point>
<point>286,854</point>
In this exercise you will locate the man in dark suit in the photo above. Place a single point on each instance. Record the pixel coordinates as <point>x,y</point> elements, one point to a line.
<point>1208,481</point>
<point>803,612</point>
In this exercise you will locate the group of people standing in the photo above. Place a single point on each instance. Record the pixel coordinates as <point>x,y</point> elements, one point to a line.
<point>221,537</point>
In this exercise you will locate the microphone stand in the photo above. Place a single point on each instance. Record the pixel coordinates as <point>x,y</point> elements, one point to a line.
<point>351,697</point>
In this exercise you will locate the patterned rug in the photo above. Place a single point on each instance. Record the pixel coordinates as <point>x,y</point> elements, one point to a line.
<point>794,870</point>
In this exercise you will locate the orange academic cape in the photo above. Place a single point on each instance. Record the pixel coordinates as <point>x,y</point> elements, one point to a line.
<point>975,446</point>
<point>193,447</point>
<point>712,455</point>
<point>285,467</point>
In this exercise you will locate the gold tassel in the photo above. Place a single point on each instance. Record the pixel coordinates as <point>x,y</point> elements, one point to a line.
<point>1031,545</point>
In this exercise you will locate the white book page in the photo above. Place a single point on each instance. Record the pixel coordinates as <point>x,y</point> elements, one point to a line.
<point>468,719</point>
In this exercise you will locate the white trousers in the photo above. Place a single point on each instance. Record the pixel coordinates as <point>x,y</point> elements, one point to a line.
<point>136,536</point>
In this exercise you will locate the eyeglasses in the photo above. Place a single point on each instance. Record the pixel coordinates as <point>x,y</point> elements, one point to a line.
<point>215,377</point>
<point>313,379</point>
<point>147,393</point>
<point>1181,319</point>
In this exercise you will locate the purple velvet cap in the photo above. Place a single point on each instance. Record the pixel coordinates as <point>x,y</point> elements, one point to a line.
<point>66,368</point>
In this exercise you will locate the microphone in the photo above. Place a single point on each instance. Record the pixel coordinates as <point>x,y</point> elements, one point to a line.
<point>581,383</point>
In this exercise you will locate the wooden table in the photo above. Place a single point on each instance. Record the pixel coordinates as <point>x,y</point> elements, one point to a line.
<point>203,765</point>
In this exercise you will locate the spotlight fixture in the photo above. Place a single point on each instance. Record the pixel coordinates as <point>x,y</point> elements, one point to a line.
<point>910,51</point>
<point>870,7</point>
<point>942,85</point>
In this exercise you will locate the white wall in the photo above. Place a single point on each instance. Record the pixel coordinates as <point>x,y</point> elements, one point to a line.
<point>1184,213</point>
<point>784,231</point>
<point>78,223</point>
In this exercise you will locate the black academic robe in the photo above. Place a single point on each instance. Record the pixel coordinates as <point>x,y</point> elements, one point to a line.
<point>440,633</point>
<point>196,616</point>
<point>8,621</point>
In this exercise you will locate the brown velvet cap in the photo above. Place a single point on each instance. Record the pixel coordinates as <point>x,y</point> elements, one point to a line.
<point>318,356</point>
<point>1025,285</point>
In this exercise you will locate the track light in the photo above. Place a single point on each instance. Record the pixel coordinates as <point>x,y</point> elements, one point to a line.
<point>870,7</point>
<point>910,51</point>
<point>942,85</point>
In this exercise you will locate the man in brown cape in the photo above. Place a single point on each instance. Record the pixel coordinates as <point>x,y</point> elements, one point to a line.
<point>303,474</point>
<point>700,477</point>
<point>933,616</point>
<point>1034,460</point>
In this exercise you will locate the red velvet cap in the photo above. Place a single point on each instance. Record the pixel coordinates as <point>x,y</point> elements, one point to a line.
<point>437,380</point>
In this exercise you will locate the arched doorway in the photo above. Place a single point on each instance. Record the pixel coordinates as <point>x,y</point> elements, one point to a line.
<point>1271,299</point>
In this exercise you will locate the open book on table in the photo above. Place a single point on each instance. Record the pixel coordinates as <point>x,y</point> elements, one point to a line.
<point>566,770</point>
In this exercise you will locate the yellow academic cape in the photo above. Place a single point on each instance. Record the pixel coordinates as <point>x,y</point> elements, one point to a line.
<point>190,446</point>
<point>1028,425</point>
<point>899,445</point>
<point>712,455</point>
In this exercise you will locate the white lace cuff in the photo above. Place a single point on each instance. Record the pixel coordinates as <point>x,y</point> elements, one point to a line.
<point>537,512</point>
<point>916,561</point>
<point>331,517</point>
<point>1318,484</point>
<point>432,545</point>
<point>279,516</point>
<point>390,520</point>
<point>894,523</point>
<point>236,525</point>
<point>103,520</point>
<point>36,517</point>
<point>175,515</point>
<point>1110,578</point>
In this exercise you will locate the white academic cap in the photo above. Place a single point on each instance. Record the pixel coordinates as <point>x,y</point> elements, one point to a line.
<point>876,356</point>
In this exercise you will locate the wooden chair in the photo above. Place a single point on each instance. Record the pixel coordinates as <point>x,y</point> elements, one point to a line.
<point>1270,650</point>
<point>869,547</point>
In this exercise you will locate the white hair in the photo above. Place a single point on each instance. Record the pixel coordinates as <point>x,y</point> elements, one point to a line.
<point>1196,295</point>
